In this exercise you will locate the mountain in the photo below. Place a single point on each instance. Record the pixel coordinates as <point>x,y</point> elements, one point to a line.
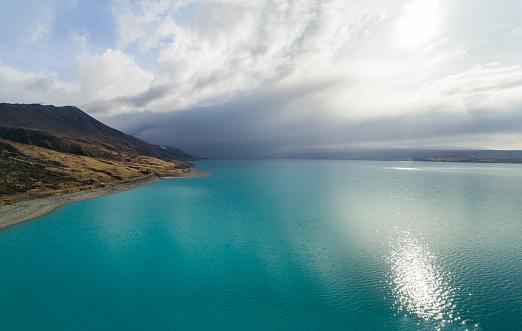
<point>48,150</point>
<point>67,129</point>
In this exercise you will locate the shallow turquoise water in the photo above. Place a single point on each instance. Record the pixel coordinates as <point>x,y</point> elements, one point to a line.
<point>278,245</point>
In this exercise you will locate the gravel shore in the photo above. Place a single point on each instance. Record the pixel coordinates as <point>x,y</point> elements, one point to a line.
<point>28,209</point>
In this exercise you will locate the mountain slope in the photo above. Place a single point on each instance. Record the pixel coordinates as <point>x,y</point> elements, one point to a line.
<point>58,128</point>
<point>47,150</point>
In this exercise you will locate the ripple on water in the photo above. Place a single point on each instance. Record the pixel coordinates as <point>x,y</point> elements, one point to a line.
<point>421,286</point>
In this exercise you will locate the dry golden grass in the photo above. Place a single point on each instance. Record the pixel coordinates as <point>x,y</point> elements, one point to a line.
<point>83,172</point>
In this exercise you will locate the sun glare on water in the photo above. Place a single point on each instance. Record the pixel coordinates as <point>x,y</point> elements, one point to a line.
<point>418,24</point>
<point>420,287</point>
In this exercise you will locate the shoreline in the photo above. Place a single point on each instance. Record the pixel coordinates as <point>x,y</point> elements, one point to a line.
<point>26,210</point>
<point>191,174</point>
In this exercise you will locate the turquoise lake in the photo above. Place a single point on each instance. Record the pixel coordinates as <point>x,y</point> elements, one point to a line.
<point>278,245</point>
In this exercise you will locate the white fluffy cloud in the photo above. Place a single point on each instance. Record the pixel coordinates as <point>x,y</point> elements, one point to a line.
<point>103,79</point>
<point>380,56</point>
<point>229,49</point>
<point>112,75</point>
<point>24,87</point>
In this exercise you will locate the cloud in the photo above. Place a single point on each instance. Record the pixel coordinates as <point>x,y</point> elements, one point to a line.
<point>204,53</point>
<point>270,126</point>
<point>276,74</point>
<point>106,82</point>
<point>21,87</point>
<point>230,49</point>
<point>145,98</point>
<point>147,23</point>
<point>488,86</point>
<point>110,76</point>
<point>31,20</point>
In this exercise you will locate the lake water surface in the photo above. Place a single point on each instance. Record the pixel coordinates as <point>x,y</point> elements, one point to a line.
<point>278,245</point>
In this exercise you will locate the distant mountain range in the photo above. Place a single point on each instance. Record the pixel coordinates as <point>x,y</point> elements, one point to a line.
<point>406,154</point>
<point>47,149</point>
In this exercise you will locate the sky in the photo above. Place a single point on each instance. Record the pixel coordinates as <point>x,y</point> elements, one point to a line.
<point>231,78</point>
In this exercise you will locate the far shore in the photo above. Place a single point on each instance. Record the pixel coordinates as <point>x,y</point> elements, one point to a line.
<point>29,209</point>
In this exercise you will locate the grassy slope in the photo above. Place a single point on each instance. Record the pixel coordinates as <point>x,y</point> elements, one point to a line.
<point>27,170</point>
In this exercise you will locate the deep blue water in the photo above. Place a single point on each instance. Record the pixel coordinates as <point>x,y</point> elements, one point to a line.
<point>277,245</point>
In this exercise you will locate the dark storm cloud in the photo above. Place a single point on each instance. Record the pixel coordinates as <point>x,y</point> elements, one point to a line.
<point>257,126</point>
<point>144,98</point>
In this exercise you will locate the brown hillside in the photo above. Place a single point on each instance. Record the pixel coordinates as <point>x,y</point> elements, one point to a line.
<point>27,170</point>
<point>50,150</point>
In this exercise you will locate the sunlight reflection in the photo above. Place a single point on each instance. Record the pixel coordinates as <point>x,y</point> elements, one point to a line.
<point>419,285</point>
<point>419,23</point>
